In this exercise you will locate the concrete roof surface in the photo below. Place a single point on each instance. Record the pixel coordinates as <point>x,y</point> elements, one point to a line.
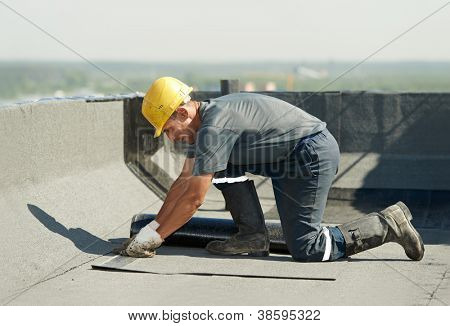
<point>383,276</point>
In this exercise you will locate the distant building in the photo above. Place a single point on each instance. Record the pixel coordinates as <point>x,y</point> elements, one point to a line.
<point>309,73</point>
<point>270,86</point>
<point>249,87</point>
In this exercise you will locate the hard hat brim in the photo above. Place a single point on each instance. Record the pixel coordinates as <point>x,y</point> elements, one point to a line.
<point>157,133</point>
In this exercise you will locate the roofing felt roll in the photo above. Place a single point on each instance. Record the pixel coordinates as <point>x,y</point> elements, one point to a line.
<point>201,230</point>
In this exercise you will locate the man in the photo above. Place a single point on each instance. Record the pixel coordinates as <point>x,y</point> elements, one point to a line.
<point>244,132</point>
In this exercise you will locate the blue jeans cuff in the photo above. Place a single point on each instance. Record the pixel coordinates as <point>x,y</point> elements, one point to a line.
<point>340,242</point>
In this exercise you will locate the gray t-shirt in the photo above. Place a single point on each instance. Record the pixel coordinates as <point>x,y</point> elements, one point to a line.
<point>248,128</point>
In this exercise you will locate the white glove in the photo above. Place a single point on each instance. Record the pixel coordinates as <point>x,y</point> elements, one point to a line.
<point>145,242</point>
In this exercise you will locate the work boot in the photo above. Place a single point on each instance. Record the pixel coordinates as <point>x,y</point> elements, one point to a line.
<point>252,237</point>
<point>390,225</point>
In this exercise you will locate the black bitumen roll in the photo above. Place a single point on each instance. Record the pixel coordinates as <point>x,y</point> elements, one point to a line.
<point>201,230</point>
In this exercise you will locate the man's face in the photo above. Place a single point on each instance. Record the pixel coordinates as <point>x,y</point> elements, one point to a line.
<point>177,128</point>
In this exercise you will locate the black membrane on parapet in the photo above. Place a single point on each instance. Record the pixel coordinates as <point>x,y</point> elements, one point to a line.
<point>201,230</point>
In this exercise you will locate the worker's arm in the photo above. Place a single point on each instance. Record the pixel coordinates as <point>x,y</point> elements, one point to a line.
<point>177,188</point>
<point>183,202</point>
<point>183,199</point>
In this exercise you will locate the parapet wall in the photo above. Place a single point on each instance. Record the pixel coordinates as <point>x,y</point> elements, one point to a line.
<point>387,140</point>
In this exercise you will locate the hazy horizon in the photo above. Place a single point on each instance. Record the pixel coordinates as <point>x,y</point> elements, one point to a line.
<point>34,80</point>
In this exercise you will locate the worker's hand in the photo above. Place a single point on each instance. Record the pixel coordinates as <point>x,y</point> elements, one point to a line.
<point>122,250</point>
<point>143,244</point>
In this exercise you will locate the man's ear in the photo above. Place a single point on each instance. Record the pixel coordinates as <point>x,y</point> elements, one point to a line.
<point>182,114</point>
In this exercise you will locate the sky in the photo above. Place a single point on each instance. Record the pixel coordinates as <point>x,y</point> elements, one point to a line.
<point>224,31</point>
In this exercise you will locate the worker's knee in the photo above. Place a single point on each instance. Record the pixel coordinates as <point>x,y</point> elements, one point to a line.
<point>232,176</point>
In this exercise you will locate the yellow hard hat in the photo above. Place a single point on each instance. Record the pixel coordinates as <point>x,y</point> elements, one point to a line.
<point>162,98</point>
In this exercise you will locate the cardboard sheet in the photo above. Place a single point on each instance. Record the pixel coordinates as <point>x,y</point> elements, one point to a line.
<point>194,261</point>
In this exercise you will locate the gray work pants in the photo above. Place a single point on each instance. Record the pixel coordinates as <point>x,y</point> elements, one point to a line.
<point>301,183</point>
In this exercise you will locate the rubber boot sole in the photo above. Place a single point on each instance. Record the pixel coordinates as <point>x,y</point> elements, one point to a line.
<point>415,235</point>
<point>251,253</point>
<point>223,248</point>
